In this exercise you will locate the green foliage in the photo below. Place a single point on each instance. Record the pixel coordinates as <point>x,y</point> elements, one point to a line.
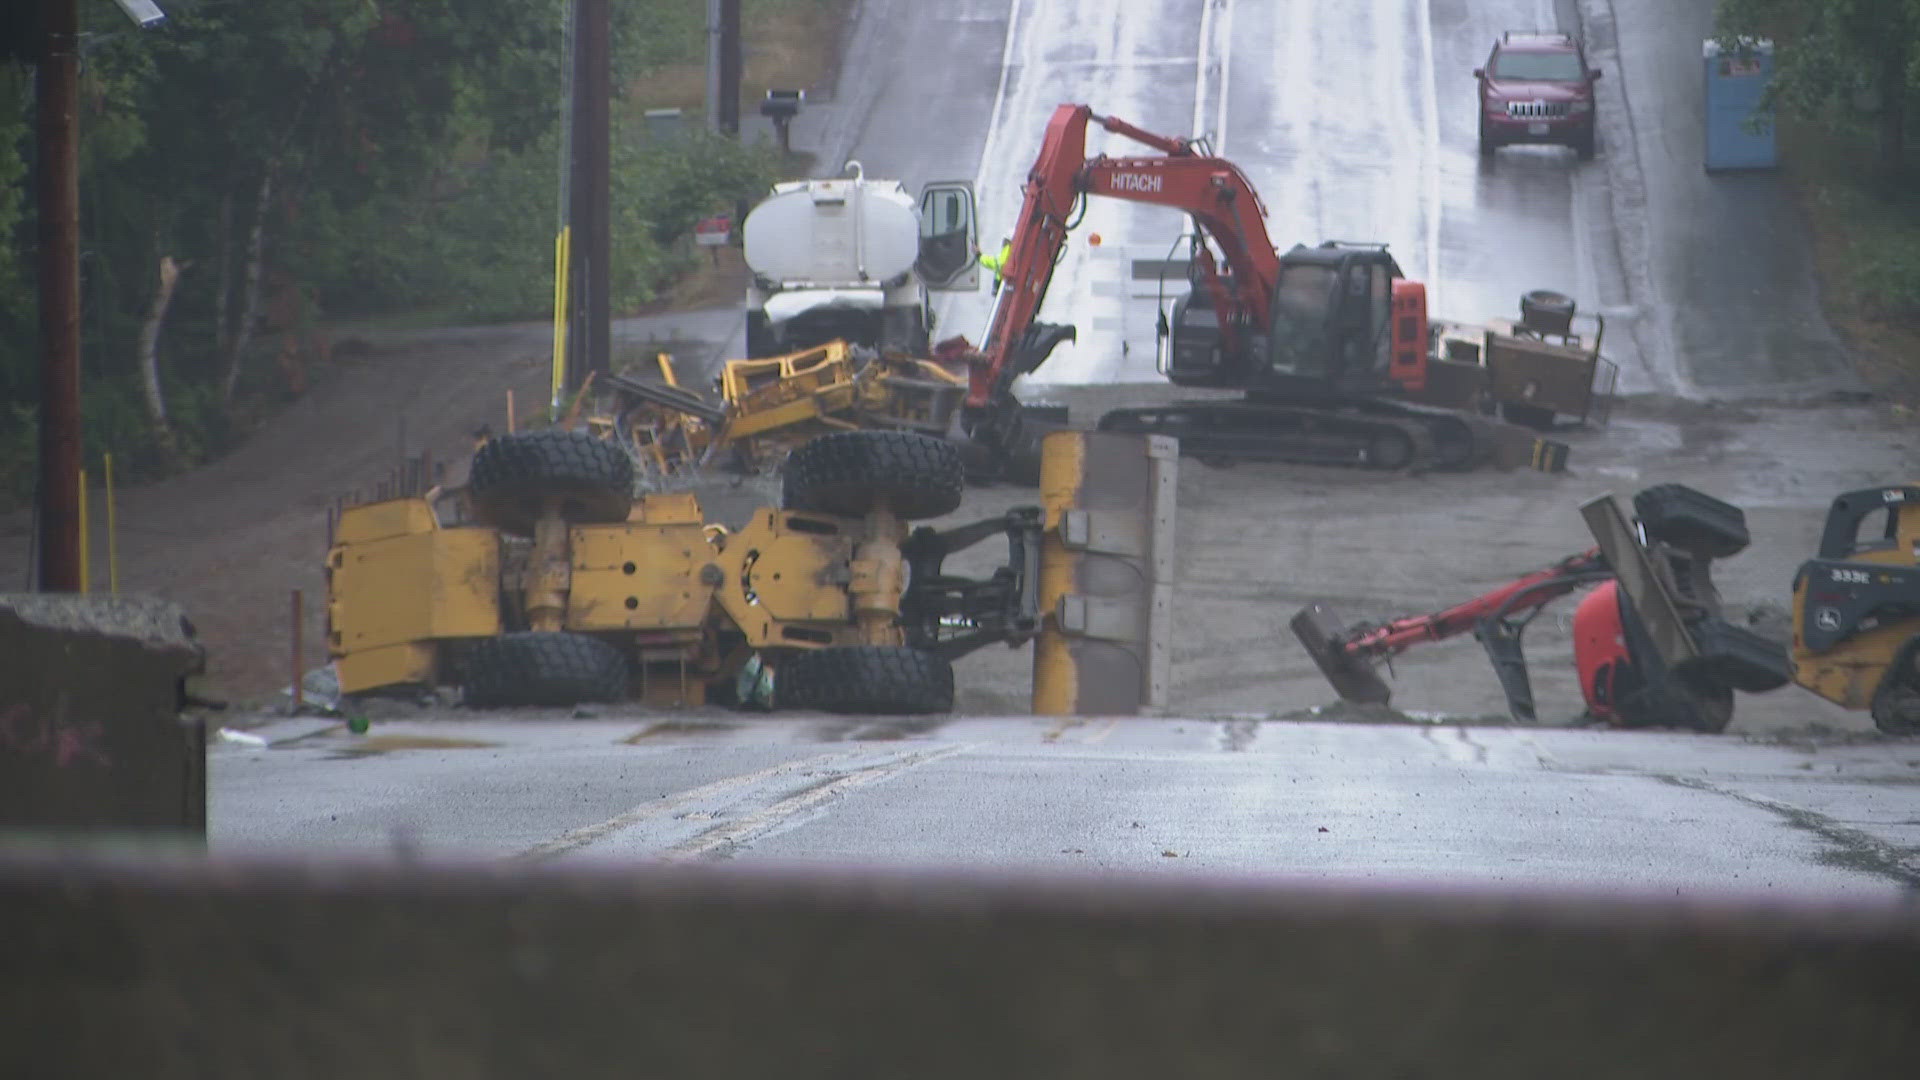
<point>1850,69</point>
<point>485,247</point>
<point>19,450</point>
<point>1853,62</point>
<point>409,158</point>
<point>1885,255</point>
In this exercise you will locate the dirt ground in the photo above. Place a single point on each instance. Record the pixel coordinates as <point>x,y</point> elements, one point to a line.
<point>232,541</point>
<point>1256,542</point>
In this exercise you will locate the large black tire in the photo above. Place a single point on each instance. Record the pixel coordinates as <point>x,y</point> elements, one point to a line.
<point>865,679</point>
<point>1547,311</point>
<point>1488,144</point>
<point>1584,145</point>
<point>1692,521</point>
<point>515,476</point>
<point>542,669</point>
<point>1709,705</point>
<point>1691,701</point>
<point>849,473</point>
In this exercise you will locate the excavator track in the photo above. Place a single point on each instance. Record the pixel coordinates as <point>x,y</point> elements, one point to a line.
<point>1365,433</point>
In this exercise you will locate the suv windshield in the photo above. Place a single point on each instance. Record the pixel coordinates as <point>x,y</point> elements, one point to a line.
<point>1537,67</point>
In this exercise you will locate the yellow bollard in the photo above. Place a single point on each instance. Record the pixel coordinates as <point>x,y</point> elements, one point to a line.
<point>1056,677</point>
<point>84,583</point>
<point>113,540</point>
<point>562,255</point>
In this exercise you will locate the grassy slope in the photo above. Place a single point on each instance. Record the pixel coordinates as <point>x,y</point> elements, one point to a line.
<point>1858,239</point>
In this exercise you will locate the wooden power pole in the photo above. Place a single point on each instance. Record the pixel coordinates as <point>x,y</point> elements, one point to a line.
<point>56,80</point>
<point>723,66</point>
<point>590,200</point>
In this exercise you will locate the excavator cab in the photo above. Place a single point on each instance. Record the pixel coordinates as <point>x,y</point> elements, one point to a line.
<point>1334,320</point>
<point>1345,321</point>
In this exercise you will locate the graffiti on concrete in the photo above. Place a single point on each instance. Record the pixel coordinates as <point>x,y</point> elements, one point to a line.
<point>67,743</point>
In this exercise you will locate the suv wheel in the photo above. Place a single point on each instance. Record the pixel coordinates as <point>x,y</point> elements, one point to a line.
<point>1488,144</point>
<point>1583,144</point>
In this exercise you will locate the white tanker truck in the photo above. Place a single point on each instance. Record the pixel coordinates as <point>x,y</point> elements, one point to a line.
<point>854,259</point>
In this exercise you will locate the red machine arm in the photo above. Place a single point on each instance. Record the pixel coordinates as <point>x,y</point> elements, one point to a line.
<point>1212,190</point>
<point>1534,590</point>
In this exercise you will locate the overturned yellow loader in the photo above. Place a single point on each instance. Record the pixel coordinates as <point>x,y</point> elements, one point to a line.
<point>567,589</point>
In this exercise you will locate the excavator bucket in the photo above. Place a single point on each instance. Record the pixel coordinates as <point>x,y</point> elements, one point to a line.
<point>1352,676</point>
<point>1106,573</point>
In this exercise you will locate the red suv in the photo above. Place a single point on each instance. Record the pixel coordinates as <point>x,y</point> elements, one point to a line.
<point>1536,88</point>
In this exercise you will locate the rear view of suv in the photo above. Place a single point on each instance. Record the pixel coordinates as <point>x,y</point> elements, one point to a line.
<point>1537,88</point>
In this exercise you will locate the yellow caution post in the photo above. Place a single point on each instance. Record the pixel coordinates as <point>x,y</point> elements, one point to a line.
<point>562,254</point>
<point>85,558</point>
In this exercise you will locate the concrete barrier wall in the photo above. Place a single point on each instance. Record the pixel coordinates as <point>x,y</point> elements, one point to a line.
<point>91,734</point>
<point>116,967</point>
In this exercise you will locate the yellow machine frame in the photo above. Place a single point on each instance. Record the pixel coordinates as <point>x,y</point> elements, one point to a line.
<point>1856,606</point>
<point>768,406</point>
<point>399,581</point>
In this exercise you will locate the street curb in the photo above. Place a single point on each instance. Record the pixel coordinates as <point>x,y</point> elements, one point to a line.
<point>1627,196</point>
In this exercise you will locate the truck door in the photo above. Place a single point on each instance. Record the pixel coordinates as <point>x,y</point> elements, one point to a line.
<point>949,237</point>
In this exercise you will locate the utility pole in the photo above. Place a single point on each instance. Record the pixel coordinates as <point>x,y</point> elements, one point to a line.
<point>56,90</point>
<point>590,202</point>
<point>723,66</point>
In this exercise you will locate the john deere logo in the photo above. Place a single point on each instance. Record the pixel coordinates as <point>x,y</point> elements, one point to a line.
<point>1827,618</point>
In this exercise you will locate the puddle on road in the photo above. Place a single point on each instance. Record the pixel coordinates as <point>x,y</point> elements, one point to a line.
<point>373,745</point>
<point>677,727</point>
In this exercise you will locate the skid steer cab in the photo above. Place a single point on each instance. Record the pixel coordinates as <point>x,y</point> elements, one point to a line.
<point>569,590</point>
<point>1856,608</point>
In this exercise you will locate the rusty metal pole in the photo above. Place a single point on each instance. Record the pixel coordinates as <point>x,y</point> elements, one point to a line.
<point>58,183</point>
<point>729,62</point>
<point>299,677</point>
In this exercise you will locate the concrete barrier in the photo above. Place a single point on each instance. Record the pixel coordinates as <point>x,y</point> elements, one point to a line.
<point>116,965</point>
<point>91,732</point>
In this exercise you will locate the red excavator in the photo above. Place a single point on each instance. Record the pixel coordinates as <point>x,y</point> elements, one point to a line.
<point>1329,343</point>
<point>1651,640</point>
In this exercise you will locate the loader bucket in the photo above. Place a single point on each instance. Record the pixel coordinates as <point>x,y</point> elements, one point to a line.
<point>1353,677</point>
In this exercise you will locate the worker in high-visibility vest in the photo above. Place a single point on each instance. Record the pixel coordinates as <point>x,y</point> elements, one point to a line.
<point>998,260</point>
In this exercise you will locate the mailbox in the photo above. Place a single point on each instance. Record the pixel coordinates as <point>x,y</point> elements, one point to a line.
<point>783,105</point>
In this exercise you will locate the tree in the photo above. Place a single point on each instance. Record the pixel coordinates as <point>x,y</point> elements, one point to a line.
<point>1839,58</point>
<point>292,159</point>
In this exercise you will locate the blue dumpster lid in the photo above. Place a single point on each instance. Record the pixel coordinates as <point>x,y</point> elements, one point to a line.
<point>1761,46</point>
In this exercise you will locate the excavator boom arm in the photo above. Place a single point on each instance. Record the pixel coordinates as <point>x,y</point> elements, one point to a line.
<point>1213,191</point>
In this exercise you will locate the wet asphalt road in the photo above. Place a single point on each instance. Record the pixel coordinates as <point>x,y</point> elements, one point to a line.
<point>1393,805</point>
<point>1354,121</point>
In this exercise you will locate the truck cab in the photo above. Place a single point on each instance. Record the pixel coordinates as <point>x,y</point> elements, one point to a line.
<point>854,259</point>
